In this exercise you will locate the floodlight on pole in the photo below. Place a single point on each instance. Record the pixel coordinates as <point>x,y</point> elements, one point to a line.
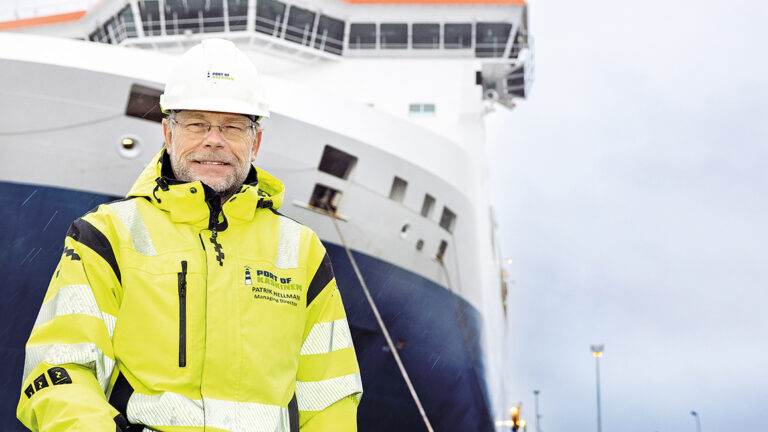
<point>536,394</point>
<point>698,420</point>
<point>597,352</point>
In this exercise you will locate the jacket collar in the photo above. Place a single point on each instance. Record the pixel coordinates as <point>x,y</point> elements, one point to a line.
<point>192,202</point>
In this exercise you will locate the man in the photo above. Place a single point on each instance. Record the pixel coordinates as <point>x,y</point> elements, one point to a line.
<point>193,304</point>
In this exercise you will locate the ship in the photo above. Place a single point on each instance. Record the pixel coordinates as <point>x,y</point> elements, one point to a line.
<point>377,130</point>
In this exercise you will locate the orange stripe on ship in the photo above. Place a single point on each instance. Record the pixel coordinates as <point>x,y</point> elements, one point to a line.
<point>440,2</point>
<point>41,20</point>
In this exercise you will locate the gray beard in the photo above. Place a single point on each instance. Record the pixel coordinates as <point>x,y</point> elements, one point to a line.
<point>225,187</point>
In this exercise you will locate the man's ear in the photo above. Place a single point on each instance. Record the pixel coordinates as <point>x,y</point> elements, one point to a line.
<point>256,144</point>
<point>167,134</point>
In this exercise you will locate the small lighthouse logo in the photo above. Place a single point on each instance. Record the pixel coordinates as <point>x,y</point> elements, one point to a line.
<point>248,276</point>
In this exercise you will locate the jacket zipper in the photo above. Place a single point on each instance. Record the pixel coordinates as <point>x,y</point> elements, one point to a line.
<point>182,277</point>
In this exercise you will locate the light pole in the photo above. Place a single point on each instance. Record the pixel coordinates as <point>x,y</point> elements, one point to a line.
<point>597,352</point>
<point>536,394</point>
<point>698,421</point>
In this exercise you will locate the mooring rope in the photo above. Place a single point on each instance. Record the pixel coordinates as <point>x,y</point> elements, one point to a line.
<point>384,330</point>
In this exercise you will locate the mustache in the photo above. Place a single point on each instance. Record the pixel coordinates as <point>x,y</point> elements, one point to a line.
<point>211,156</point>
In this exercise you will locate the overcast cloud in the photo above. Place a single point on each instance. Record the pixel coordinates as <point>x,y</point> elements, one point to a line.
<point>631,194</point>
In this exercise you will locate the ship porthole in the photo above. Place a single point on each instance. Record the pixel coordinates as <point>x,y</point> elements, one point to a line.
<point>129,146</point>
<point>404,230</point>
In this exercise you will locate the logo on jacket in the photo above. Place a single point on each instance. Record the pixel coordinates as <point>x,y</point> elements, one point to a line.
<point>248,280</point>
<point>58,376</point>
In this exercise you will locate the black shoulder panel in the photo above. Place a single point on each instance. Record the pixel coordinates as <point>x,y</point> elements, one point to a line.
<point>323,275</point>
<point>87,234</point>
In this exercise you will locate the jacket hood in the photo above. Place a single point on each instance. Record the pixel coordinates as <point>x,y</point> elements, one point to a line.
<point>189,201</point>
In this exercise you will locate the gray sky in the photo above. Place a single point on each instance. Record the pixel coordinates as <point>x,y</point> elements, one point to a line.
<point>631,194</point>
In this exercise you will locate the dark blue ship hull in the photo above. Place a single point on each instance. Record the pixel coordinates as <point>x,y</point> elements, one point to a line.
<point>437,333</point>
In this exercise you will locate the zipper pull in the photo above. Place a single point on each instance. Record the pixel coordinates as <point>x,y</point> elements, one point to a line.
<point>183,279</point>
<point>217,247</point>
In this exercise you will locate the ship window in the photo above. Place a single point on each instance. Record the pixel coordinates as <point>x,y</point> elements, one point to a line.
<point>325,198</point>
<point>183,15</point>
<point>362,36</point>
<point>213,16</point>
<point>428,206</point>
<point>114,31</point>
<point>491,39</point>
<point>336,162</point>
<point>441,250</point>
<point>425,36</point>
<point>394,36</point>
<point>150,17</point>
<point>330,35</point>
<point>516,79</point>
<point>97,35</point>
<point>238,14</point>
<point>269,16</point>
<point>126,27</point>
<point>110,28</point>
<point>301,24</point>
<point>448,219</point>
<point>397,193</point>
<point>457,36</point>
<point>517,45</point>
<point>415,110</point>
<point>144,103</point>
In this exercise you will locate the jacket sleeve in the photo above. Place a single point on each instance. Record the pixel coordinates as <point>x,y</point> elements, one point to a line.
<point>328,387</point>
<point>69,360</point>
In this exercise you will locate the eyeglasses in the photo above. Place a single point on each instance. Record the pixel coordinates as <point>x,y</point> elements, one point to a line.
<point>233,130</point>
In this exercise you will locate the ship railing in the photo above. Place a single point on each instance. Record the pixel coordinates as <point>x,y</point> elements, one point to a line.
<point>305,35</point>
<point>118,30</point>
<point>276,28</point>
<point>479,49</point>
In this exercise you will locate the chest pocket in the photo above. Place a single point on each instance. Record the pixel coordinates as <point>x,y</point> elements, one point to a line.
<point>280,281</point>
<point>273,292</point>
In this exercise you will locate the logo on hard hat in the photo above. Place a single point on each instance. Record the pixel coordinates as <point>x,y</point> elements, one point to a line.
<point>219,75</point>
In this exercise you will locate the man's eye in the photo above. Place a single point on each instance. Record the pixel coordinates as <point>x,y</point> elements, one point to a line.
<point>234,127</point>
<point>196,127</point>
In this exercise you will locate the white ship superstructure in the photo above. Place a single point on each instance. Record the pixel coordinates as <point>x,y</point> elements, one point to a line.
<point>377,112</point>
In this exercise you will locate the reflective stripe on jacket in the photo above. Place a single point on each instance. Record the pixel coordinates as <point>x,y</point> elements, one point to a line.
<point>216,318</point>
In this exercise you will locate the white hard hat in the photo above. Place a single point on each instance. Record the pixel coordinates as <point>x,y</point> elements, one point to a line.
<point>215,76</point>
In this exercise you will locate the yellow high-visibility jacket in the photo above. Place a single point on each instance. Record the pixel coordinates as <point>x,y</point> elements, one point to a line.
<point>176,312</point>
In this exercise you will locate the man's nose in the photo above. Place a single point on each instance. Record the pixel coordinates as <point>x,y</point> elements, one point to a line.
<point>213,138</point>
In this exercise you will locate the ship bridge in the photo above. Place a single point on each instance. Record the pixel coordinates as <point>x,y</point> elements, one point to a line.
<point>494,31</point>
